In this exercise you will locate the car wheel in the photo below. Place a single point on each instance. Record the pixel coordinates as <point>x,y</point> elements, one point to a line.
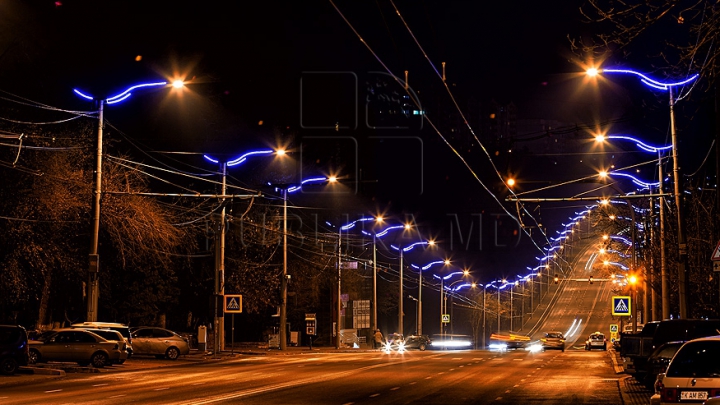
<point>8,366</point>
<point>422,347</point>
<point>33,356</point>
<point>172,353</point>
<point>99,360</point>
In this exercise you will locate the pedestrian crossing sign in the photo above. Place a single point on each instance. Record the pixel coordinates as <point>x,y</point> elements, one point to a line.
<point>621,306</point>
<point>445,318</point>
<point>233,304</point>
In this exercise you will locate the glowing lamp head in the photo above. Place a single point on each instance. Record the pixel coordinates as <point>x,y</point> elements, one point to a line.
<point>178,84</point>
<point>612,217</point>
<point>632,279</point>
<point>605,237</point>
<point>447,262</point>
<point>408,227</point>
<point>280,152</point>
<point>431,243</point>
<point>466,272</point>
<point>603,174</point>
<point>600,138</point>
<point>592,72</point>
<point>510,182</point>
<point>602,251</point>
<point>604,202</point>
<point>332,179</point>
<point>379,219</point>
<point>606,262</point>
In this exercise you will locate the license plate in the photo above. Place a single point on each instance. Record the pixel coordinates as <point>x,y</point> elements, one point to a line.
<point>703,395</point>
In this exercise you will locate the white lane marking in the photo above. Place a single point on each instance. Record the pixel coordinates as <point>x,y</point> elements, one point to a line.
<point>518,359</point>
<point>199,383</point>
<point>394,388</point>
<point>118,396</point>
<point>522,380</point>
<point>428,377</point>
<point>374,395</point>
<point>508,391</point>
<point>498,399</point>
<point>161,389</point>
<point>413,383</point>
<point>348,403</point>
<point>516,385</point>
<point>99,385</point>
<point>457,358</point>
<point>51,391</point>
<point>441,373</point>
<point>478,358</point>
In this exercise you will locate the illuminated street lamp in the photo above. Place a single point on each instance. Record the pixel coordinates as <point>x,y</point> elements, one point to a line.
<point>632,279</point>
<point>93,287</point>
<point>219,289</point>
<point>445,262</point>
<point>443,307</point>
<point>682,244</point>
<point>402,251</point>
<point>289,189</point>
<point>375,236</point>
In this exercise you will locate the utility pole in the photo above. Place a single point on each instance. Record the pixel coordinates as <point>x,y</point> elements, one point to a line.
<point>219,341</point>
<point>284,279</point>
<point>339,292</point>
<point>93,287</point>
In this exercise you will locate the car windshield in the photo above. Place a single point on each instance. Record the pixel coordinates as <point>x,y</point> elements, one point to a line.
<point>597,337</point>
<point>696,360</point>
<point>554,335</point>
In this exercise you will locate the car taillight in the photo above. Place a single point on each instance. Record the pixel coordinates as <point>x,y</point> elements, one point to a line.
<point>669,394</point>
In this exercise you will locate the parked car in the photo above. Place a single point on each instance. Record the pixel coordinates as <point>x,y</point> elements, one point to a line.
<point>75,345</point>
<point>693,374</point>
<point>596,341</point>
<point>420,342</point>
<point>122,328</point>
<point>114,335</point>
<point>657,363</point>
<point>13,348</point>
<point>159,342</point>
<point>553,340</point>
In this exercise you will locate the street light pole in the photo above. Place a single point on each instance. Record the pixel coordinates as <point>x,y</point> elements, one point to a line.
<point>682,246</point>
<point>93,287</point>
<point>375,305</point>
<point>283,280</point>
<point>400,297</point>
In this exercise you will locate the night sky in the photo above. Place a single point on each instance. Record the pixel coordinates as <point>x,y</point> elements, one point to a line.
<point>269,72</point>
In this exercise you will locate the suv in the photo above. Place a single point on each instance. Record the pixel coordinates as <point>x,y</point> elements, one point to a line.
<point>122,328</point>
<point>13,348</point>
<point>693,375</point>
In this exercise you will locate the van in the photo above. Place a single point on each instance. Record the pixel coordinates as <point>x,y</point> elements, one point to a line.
<point>122,328</point>
<point>13,348</point>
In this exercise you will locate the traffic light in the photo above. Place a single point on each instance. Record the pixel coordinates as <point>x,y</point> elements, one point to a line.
<point>557,279</point>
<point>591,280</point>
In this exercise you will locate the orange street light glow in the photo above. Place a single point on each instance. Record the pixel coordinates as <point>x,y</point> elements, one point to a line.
<point>511,182</point>
<point>178,84</point>
<point>592,72</point>
<point>280,152</point>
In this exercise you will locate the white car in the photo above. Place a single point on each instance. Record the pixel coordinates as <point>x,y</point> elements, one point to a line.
<point>160,342</point>
<point>596,341</point>
<point>693,375</point>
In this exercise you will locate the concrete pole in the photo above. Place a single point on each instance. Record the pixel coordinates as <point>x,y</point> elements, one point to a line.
<point>375,311</point>
<point>664,287</point>
<point>339,292</point>
<point>400,297</point>
<point>682,246</point>
<point>220,331</point>
<point>93,286</point>
<point>419,304</point>
<point>284,280</point>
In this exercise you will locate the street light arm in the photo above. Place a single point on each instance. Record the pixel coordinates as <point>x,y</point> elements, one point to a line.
<point>650,81</point>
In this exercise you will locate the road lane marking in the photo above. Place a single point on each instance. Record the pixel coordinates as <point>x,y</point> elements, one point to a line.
<point>117,396</point>
<point>161,389</point>
<point>99,385</point>
<point>518,359</point>
<point>428,377</point>
<point>51,391</point>
<point>508,391</point>
<point>413,383</point>
<point>441,373</point>
<point>516,385</point>
<point>498,399</point>
<point>374,395</point>
<point>349,403</point>
<point>457,358</point>
<point>394,388</point>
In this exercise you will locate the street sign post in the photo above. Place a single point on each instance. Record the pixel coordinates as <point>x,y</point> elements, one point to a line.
<point>233,303</point>
<point>621,306</point>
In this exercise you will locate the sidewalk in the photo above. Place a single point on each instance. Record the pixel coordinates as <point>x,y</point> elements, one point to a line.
<point>633,392</point>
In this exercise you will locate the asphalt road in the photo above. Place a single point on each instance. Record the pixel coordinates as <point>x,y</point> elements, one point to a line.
<point>448,377</point>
